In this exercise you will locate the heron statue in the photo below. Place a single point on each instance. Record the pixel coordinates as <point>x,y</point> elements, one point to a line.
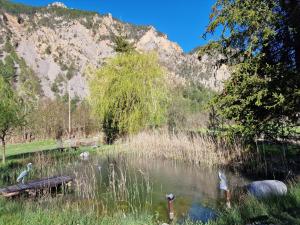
<point>258,189</point>
<point>24,174</point>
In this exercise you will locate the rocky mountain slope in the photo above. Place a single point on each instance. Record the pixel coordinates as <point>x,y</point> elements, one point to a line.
<point>55,44</point>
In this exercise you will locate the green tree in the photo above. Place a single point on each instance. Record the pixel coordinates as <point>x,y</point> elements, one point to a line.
<point>7,69</point>
<point>261,38</point>
<point>10,112</point>
<point>128,94</point>
<point>122,45</point>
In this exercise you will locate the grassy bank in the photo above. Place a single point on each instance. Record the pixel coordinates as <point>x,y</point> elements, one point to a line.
<point>15,149</point>
<point>59,213</point>
<point>60,210</point>
<point>283,210</point>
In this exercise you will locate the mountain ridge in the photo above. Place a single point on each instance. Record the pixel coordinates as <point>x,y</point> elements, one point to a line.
<point>57,42</point>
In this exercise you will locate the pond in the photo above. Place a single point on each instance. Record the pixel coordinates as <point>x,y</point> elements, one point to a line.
<point>131,184</point>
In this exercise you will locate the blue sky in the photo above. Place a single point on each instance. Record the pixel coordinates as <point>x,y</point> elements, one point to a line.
<point>184,21</point>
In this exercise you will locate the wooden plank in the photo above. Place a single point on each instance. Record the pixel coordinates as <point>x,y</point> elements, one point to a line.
<point>50,182</point>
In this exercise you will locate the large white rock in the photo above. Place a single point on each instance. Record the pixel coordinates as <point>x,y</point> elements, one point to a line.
<point>57,4</point>
<point>266,188</point>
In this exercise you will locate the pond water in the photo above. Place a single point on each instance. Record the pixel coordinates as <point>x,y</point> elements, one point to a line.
<point>128,183</point>
<point>138,183</point>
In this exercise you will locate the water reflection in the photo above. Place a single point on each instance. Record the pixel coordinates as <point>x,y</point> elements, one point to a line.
<point>139,183</point>
<point>195,187</point>
<point>197,213</point>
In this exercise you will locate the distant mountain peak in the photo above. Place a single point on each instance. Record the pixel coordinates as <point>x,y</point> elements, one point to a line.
<point>58,4</point>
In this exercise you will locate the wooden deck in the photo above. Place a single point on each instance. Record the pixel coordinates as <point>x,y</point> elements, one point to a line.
<point>35,185</point>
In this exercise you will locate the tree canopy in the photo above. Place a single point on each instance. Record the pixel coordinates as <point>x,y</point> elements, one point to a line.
<point>10,111</point>
<point>128,94</point>
<point>122,45</point>
<point>262,38</point>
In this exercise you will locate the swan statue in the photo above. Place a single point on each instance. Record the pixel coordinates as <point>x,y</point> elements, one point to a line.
<point>84,155</point>
<point>258,189</point>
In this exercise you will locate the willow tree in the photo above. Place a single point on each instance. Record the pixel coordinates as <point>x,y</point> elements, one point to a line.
<point>128,94</point>
<point>10,112</point>
<point>262,39</point>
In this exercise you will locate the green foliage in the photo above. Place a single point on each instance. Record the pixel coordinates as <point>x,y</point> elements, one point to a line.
<point>258,104</point>
<point>17,8</point>
<point>7,69</point>
<point>249,24</point>
<point>187,100</point>
<point>198,96</point>
<point>29,84</point>
<point>10,111</point>
<point>262,95</point>
<point>8,46</point>
<point>35,213</point>
<point>122,45</point>
<point>70,14</point>
<point>277,210</point>
<point>128,94</point>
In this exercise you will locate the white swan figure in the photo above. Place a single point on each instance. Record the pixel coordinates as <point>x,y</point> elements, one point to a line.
<point>84,155</point>
<point>258,189</point>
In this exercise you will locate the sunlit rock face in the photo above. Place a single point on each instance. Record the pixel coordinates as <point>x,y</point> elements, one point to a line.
<point>55,42</point>
<point>57,4</point>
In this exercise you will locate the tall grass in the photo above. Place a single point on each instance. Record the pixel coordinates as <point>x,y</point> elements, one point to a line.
<point>114,187</point>
<point>281,210</point>
<point>60,212</point>
<point>194,149</point>
<point>103,186</point>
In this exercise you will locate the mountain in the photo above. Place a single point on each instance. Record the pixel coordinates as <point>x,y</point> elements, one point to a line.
<point>48,44</point>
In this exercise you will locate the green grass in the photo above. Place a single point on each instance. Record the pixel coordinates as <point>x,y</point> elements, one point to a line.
<point>279,211</point>
<point>15,149</point>
<point>60,213</point>
<point>283,210</point>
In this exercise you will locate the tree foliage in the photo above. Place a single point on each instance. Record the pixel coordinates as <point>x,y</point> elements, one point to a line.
<point>128,94</point>
<point>188,106</point>
<point>262,95</point>
<point>10,112</point>
<point>122,45</point>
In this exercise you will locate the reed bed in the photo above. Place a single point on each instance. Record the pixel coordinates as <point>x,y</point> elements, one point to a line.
<point>104,186</point>
<point>112,186</point>
<point>190,148</point>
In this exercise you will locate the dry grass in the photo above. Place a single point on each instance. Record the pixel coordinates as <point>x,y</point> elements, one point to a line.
<point>194,149</point>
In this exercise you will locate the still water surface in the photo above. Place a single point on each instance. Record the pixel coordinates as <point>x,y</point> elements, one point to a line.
<point>132,184</point>
<point>195,187</point>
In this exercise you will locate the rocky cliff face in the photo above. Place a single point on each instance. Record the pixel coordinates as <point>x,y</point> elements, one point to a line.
<point>57,44</point>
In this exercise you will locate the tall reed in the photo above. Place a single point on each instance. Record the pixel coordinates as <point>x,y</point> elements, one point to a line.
<point>195,149</point>
<point>113,187</point>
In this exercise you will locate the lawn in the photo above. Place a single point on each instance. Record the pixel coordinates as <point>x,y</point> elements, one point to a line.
<point>15,149</point>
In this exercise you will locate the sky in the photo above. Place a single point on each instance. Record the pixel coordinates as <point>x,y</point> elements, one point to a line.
<point>184,21</point>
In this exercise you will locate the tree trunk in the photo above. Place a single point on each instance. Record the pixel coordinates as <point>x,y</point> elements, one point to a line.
<point>3,150</point>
